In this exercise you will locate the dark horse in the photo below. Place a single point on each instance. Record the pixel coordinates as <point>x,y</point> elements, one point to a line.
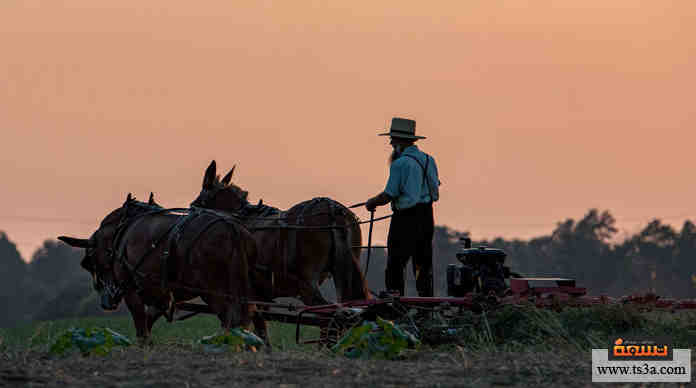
<point>151,256</point>
<point>301,246</point>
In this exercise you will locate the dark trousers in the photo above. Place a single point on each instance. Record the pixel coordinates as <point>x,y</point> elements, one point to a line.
<point>411,235</point>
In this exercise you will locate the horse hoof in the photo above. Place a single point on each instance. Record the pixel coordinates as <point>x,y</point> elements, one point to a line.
<point>144,341</point>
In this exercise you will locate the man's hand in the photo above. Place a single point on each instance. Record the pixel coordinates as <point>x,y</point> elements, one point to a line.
<point>370,205</point>
<point>381,199</point>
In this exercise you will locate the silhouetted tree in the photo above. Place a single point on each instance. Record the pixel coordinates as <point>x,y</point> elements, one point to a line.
<point>13,271</point>
<point>658,258</point>
<point>56,265</point>
<point>581,249</point>
<point>685,257</point>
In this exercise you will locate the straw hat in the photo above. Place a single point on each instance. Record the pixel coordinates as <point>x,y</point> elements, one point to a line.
<point>403,128</point>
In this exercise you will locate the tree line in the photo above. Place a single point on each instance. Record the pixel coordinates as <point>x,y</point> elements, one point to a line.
<point>659,259</point>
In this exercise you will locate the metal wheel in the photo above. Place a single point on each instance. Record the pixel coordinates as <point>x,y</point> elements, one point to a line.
<point>342,321</point>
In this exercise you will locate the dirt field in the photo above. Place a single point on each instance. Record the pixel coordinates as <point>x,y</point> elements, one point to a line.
<point>181,366</point>
<point>177,360</point>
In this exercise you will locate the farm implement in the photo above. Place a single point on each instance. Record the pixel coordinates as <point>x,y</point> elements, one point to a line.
<point>480,284</point>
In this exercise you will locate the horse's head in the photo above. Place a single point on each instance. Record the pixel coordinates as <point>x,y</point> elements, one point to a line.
<point>220,194</point>
<point>108,274</point>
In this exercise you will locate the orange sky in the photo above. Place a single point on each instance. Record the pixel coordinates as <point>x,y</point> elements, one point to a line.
<point>534,110</point>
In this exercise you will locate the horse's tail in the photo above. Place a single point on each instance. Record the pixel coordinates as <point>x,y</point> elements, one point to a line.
<point>356,233</point>
<point>355,285</point>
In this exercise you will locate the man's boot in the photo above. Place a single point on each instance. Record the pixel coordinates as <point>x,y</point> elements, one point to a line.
<point>394,280</point>
<point>424,283</point>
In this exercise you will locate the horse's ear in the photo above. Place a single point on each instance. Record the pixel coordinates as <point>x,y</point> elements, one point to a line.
<point>128,198</point>
<point>75,242</point>
<point>228,178</point>
<point>209,176</point>
<point>151,201</point>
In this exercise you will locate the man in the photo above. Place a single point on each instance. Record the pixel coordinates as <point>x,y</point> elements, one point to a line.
<point>412,188</point>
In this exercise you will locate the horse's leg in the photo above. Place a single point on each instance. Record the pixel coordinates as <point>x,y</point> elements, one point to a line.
<point>339,262</point>
<point>137,310</point>
<point>153,314</point>
<point>309,289</point>
<point>261,328</point>
<point>231,308</point>
<point>348,276</point>
<point>323,276</point>
<point>218,306</point>
<point>312,262</point>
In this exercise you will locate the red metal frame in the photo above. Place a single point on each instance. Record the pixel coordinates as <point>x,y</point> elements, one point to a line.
<point>553,293</point>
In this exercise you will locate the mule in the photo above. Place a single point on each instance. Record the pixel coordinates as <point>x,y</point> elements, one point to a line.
<point>301,246</point>
<point>153,259</point>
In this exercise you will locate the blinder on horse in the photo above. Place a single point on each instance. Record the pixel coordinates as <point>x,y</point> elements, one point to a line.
<point>131,210</point>
<point>206,196</point>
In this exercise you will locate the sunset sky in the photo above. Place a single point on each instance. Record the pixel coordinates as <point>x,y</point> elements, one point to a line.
<point>535,111</point>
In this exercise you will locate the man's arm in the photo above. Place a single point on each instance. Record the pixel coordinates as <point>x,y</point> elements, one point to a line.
<point>378,200</point>
<point>390,192</point>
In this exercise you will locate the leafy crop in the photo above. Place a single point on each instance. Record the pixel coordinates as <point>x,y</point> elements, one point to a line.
<point>376,340</point>
<point>96,340</point>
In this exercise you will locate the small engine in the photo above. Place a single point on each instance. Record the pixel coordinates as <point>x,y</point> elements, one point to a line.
<point>481,271</point>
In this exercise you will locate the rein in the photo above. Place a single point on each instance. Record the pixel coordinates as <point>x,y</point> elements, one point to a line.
<point>246,211</point>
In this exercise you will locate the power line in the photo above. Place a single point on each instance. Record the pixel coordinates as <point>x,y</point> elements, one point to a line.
<point>49,219</point>
<point>522,225</point>
<point>618,220</point>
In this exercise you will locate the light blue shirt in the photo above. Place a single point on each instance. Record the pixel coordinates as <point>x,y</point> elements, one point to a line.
<point>406,185</point>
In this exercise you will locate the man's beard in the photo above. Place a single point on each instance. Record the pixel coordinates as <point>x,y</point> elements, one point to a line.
<point>394,155</point>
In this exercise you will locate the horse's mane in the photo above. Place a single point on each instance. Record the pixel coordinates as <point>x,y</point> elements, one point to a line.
<point>260,209</point>
<point>112,217</point>
<point>116,215</point>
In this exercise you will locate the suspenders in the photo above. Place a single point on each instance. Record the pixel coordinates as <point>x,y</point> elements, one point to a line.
<point>425,172</point>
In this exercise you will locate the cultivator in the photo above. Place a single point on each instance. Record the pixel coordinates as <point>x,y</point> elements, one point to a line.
<point>480,284</point>
<point>413,312</point>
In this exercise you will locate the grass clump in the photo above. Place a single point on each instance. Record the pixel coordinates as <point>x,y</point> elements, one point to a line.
<point>40,335</point>
<point>527,327</point>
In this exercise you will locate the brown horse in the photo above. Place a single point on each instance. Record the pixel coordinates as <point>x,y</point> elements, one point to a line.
<point>150,256</point>
<point>302,245</point>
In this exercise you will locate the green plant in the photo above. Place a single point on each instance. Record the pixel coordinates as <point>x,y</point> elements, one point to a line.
<point>234,340</point>
<point>381,340</point>
<point>89,341</point>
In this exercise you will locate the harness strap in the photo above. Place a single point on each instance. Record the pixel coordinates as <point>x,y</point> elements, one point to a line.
<point>290,251</point>
<point>133,273</point>
<point>173,235</point>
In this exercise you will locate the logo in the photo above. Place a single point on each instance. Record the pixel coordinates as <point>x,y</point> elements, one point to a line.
<point>659,349</point>
<point>631,359</point>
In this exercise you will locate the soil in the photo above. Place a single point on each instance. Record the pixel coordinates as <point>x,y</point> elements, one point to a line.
<point>184,366</point>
